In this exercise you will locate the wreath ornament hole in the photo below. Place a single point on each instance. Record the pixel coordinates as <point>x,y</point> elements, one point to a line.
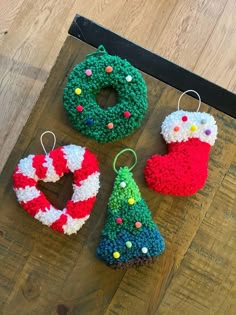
<point>58,193</point>
<point>107,97</point>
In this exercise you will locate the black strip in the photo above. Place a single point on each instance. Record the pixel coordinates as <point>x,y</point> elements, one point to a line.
<point>156,66</point>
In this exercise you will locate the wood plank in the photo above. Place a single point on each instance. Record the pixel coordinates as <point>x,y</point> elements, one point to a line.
<point>188,30</point>
<point>43,272</point>
<point>221,63</point>
<point>8,12</point>
<point>140,21</point>
<point>43,27</point>
<point>36,33</point>
<point>206,278</point>
<point>24,70</point>
<point>180,220</point>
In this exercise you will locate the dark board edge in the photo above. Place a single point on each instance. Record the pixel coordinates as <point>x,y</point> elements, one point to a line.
<point>154,65</point>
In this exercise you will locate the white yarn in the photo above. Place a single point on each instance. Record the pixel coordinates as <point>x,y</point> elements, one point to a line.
<point>51,175</point>
<point>192,91</point>
<point>74,155</point>
<point>26,168</point>
<point>73,225</point>
<point>26,194</point>
<point>185,133</point>
<point>49,216</point>
<point>88,189</point>
<point>54,140</point>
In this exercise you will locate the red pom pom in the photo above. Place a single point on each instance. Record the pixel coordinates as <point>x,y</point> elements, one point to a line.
<point>127,114</point>
<point>79,108</point>
<point>119,220</point>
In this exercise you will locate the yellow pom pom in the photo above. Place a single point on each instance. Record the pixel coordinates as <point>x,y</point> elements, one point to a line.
<point>78,91</point>
<point>116,255</point>
<point>193,128</point>
<point>131,201</point>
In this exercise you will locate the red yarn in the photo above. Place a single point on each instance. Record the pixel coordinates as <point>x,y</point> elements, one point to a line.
<point>21,181</point>
<point>59,162</point>
<point>33,206</point>
<point>88,167</point>
<point>37,163</point>
<point>181,172</point>
<point>34,201</point>
<point>58,224</point>
<point>80,209</point>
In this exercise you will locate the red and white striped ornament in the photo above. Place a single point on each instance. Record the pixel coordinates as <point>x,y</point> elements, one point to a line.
<point>50,167</point>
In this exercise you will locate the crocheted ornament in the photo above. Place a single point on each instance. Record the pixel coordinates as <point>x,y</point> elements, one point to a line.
<point>50,168</point>
<point>130,237</point>
<point>97,71</point>
<point>189,136</point>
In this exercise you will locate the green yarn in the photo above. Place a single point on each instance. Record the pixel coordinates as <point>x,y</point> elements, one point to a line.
<point>120,196</point>
<point>119,200</point>
<point>130,237</point>
<point>130,214</point>
<point>93,120</point>
<point>119,154</point>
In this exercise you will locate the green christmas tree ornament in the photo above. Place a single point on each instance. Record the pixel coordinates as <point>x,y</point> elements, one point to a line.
<point>130,237</point>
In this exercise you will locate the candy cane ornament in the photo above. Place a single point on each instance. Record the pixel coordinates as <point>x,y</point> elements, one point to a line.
<point>50,167</point>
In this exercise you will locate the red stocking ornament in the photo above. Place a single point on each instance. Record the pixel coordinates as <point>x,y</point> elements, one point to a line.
<point>189,136</point>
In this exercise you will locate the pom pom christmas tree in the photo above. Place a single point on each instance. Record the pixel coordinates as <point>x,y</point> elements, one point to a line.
<point>130,237</point>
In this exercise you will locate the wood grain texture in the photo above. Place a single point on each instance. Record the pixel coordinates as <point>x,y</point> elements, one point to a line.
<point>32,33</point>
<point>222,45</point>
<point>206,278</point>
<point>44,272</point>
<point>184,31</point>
<point>8,11</point>
<point>27,55</point>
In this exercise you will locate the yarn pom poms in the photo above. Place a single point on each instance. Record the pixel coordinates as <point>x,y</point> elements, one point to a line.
<point>130,237</point>
<point>183,171</point>
<point>49,168</point>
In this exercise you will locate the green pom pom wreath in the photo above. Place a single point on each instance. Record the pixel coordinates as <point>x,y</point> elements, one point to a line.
<point>130,237</point>
<point>97,71</point>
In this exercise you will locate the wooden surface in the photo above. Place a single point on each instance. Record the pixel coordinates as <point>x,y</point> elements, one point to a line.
<point>44,272</point>
<point>197,34</point>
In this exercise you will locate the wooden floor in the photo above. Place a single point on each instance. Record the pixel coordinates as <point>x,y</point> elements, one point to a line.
<point>42,272</point>
<point>197,34</point>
